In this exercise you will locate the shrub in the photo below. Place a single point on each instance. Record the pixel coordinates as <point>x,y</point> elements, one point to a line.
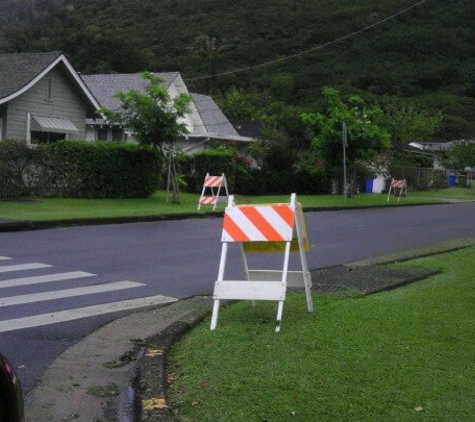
<point>101,169</point>
<point>214,162</point>
<point>18,171</point>
<point>79,169</point>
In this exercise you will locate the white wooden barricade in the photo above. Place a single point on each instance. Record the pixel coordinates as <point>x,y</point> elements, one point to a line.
<point>263,228</point>
<point>214,184</point>
<point>397,184</point>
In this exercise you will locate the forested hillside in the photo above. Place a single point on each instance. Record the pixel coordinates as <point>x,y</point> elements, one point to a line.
<point>426,54</point>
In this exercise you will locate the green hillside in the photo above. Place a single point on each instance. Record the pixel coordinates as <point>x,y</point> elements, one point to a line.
<point>426,54</point>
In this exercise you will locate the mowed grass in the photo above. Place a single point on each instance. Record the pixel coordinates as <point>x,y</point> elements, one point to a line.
<point>47,209</point>
<point>403,355</point>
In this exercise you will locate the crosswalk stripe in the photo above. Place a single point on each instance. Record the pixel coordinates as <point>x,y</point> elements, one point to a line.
<point>4,258</point>
<point>60,294</point>
<point>24,281</point>
<point>78,313</point>
<point>21,267</point>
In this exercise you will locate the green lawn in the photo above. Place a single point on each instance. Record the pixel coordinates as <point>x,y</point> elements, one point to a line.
<point>64,209</point>
<point>404,355</point>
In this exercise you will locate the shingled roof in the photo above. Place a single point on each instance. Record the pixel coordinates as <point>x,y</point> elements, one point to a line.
<point>19,72</point>
<point>213,118</point>
<point>105,86</point>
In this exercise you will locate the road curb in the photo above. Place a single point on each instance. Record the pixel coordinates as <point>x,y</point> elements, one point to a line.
<point>14,225</point>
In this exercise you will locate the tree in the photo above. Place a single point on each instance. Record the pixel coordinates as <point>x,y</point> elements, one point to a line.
<point>209,47</point>
<point>365,138</point>
<point>460,155</point>
<point>406,123</point>
<point>153,117</point>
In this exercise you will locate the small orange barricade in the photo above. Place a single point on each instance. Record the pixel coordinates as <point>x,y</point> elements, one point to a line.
<point>256,227</point>
<point>214,185</point>
<point>397,184</point>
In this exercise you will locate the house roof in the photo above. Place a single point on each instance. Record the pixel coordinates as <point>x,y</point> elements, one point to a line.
<point>19,72</point>
<point>105,86</point>
<point>211,122</point>
<point>213,118</point>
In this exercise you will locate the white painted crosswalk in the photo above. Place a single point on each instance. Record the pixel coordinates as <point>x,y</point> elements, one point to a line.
<point>61,294</point>
<point>24,281</point>
<point>22,267</point>
<point>70,288</point>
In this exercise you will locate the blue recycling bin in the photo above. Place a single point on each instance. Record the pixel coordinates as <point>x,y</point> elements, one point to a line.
<point>452,179</point>
<point>368,187</point>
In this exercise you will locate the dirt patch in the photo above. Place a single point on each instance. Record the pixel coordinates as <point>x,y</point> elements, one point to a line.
<point>341,280</point>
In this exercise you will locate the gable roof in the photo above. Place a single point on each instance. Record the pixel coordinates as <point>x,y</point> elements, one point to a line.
<point>19,72</point>
<point>105,86</point>
<point>213,118</point>
<point>209,122</point>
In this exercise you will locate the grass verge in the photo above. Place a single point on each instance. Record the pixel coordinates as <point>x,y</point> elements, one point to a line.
<point>401,355</point>
<point>48,209</point>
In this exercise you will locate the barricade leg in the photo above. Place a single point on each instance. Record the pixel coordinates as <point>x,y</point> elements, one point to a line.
<point>280,310</point>
<point>214,317</point>
<point>308,291</point>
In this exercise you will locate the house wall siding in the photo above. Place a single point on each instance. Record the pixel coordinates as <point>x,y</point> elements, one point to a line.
<point>65,103</point>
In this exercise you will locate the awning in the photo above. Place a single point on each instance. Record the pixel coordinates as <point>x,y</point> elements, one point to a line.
<point>52,124</point>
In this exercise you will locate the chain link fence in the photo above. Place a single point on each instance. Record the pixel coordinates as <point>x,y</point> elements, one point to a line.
<point>420,178</point>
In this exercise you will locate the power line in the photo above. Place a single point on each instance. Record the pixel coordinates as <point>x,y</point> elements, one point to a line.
<point>310,50</point>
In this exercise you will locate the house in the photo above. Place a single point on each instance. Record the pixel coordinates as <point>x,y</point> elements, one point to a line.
<point>42,98</point>
<point>204,121</point>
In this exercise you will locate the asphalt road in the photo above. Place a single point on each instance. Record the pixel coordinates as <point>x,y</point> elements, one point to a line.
<point>173,259</point>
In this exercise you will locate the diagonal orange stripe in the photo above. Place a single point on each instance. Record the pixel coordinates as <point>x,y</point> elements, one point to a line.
<point>286,213</point>
<point>213,181</point>
<point>233,230</point>
<point>261,224</point>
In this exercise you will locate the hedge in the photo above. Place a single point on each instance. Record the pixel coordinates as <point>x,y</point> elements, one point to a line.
<point>244,179</point>
<point>80,169</point>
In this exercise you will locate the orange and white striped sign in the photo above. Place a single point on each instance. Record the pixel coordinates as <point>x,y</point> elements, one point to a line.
<point>213,181</point>
<point>398,183</point>
<point>265,223</point>
<point>209,200</point>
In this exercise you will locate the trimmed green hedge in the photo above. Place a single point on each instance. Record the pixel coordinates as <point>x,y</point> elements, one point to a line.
<point>17,164</point>
<point>214,162</point>
<point>303,177</point>
<point>80,169</point>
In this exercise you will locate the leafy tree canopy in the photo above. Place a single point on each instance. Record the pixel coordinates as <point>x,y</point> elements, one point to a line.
<point>365,138</point>
<point>460,155</point>
<point>406,123</point>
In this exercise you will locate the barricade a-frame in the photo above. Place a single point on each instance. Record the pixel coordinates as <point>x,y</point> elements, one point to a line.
<point>211,190</point>
<point>278,228</point>
<point>397,184</point>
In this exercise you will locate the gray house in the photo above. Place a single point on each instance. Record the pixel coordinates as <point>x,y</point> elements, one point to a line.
<point>42,98</point>
<point>204,121</point>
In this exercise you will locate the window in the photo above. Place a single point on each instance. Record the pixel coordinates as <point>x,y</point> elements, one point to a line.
<point>103,133</point>
<point>49,89</point>
<point>38,137</point>
<point>117,134</point>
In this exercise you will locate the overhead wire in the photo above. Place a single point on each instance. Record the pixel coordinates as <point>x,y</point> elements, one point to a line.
<point>310,50</point>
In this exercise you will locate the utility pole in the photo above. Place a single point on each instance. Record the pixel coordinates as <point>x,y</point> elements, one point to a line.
<point>345,145</point>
